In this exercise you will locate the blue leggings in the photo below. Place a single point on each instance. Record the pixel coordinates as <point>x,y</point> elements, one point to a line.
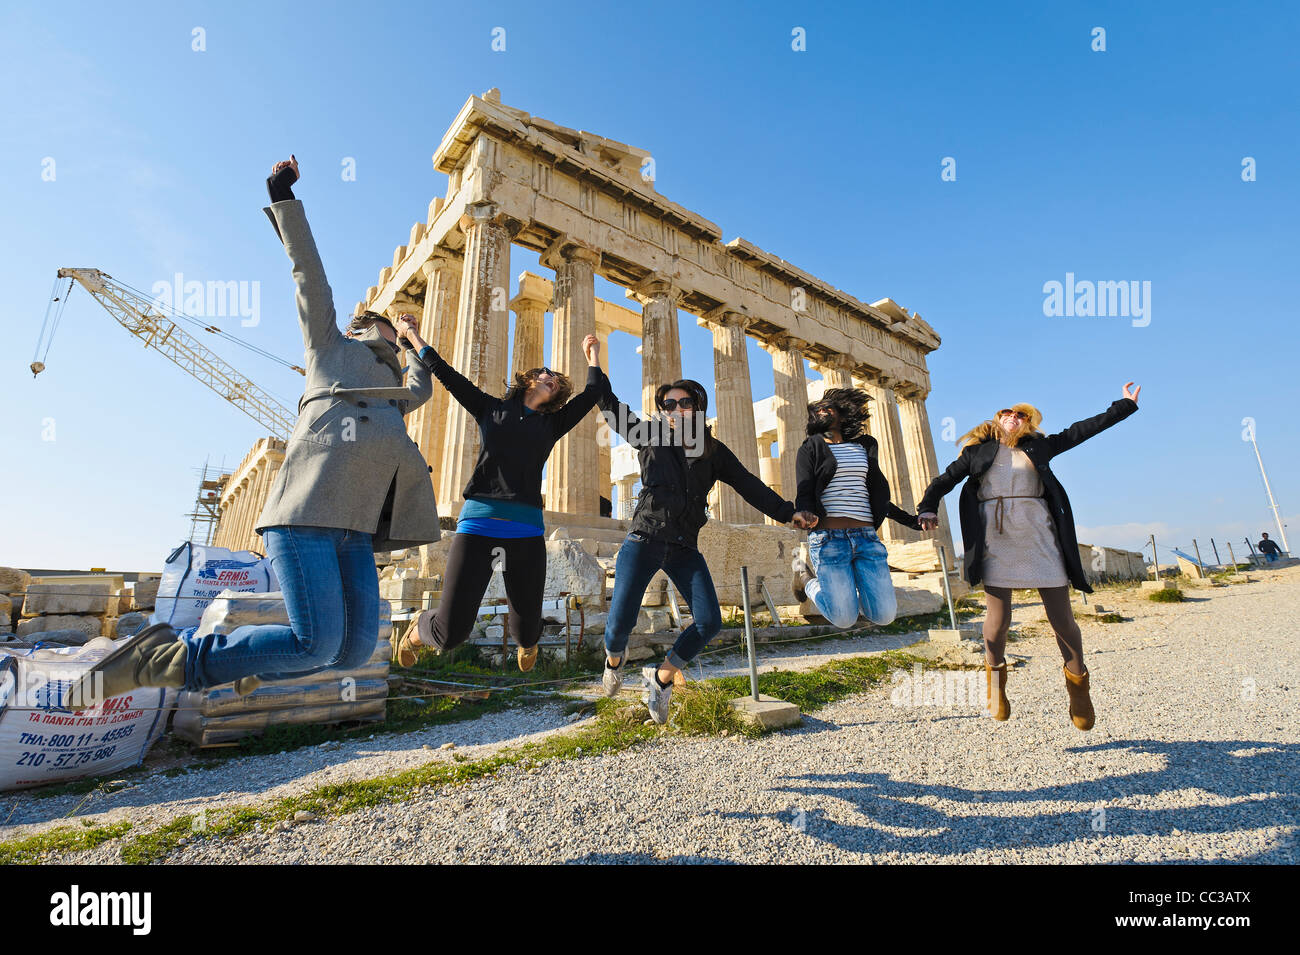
<point>331,594</point>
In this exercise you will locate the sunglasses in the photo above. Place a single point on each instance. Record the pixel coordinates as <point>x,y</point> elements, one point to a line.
<point>538,372</point>
<point>1019,414</point>
<point>686,403</point>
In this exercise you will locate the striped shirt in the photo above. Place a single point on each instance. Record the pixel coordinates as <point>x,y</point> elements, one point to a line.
<point>846,494</point>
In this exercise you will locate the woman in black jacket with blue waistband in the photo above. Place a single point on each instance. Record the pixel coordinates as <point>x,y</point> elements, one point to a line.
<point>1018,532</point>
<point>680,462</point>
<point>500,522</point>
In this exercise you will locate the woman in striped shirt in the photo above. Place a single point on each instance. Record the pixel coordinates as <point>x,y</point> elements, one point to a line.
<point>840,481</point>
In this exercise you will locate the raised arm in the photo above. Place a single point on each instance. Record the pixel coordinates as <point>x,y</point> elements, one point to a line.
<point>315,298</point>
<point>751,487</point>
<point>418,379</point>
<point>1081,431</point>
<point>576,408</point>
<point>461,388</point>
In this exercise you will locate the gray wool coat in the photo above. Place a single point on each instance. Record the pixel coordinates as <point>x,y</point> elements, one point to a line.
<point>350,463</point>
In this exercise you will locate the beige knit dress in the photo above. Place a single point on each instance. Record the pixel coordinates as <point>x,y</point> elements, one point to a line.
<point>1020,545</point>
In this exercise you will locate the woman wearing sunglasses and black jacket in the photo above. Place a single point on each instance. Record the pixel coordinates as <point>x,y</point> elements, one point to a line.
<point>680,462</point>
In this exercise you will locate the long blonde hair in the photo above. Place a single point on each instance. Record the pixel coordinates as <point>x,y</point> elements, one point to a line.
<point>991,429</point>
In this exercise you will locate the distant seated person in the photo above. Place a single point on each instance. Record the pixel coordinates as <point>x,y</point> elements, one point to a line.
<point>1269,549</point>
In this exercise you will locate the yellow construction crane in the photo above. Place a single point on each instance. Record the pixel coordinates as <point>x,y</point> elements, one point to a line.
<point>144,318</point>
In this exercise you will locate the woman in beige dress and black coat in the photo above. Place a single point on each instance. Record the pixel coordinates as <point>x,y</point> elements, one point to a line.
<point>352,483</point>
<point>1018,532</point>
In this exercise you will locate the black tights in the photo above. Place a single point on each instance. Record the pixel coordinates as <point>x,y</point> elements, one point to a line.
<point>470,563</point>
<point>1056,601</point>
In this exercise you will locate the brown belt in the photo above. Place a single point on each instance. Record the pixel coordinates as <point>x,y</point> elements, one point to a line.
<point>999,509</point>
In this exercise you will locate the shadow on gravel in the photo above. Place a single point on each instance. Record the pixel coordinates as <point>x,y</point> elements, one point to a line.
<point>1229,769</point>
<point>642,858</point>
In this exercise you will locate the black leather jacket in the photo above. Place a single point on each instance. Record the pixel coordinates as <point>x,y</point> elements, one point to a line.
<point>815,466</point>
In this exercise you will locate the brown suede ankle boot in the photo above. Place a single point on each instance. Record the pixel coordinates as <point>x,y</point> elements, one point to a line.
<point>1081,712</point>
<point>999,706</point>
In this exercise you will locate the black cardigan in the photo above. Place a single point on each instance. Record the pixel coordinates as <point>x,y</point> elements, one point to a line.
<point>815,465</point>
<point>976,459</point>
<point>513,445</point>
<point>675,486</point>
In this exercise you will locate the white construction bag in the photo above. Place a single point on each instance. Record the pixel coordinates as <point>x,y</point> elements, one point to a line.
<point>43,741</point>
<point>196,573</point>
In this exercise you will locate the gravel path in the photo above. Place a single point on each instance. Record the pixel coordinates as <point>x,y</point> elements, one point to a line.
<point>1193,759</point>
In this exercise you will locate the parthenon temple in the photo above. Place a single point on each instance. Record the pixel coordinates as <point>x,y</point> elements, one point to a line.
<point>588,206</point>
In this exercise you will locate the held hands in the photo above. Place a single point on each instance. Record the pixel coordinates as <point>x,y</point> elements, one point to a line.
<point>928,521</point>
<point>1134,394</point>
<point>804,520</point>
<point>408,331</point>
<point>591,348</point>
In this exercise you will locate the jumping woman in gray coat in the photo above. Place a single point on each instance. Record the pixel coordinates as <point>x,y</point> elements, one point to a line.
<point>352,483</point>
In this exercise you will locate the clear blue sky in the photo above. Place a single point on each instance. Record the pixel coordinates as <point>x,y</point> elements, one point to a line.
<point>1116,165</point>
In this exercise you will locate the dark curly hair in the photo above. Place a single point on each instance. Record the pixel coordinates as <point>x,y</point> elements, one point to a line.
<point>850,403</point>
<point>524,380</point>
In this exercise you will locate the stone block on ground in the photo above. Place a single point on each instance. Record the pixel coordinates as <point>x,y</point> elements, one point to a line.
<point>130,623</point>
<point>569,570</point>
<point>144,593</point>
<point>62,598</point>
<point>14,581</point>
<point>89,625</point>
<point>915,557</point>
<point>764,548</point>
<point>766,712</point>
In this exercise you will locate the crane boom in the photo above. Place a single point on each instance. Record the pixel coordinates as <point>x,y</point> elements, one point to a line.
<point>138,316</point>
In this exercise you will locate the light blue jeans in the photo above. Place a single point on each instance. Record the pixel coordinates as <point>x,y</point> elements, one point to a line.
<point>331,594</point>
<point>852,571</point>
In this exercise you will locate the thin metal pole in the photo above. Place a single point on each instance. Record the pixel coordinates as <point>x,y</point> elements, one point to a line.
<point>1200,564</point>
<point>1271,502</point>
<point>1232,557</point>
<point>947,592</point>
<point>749,632</point>
<point>1217,560</point>
<point>1155,557</point>
<point>1250,547</point>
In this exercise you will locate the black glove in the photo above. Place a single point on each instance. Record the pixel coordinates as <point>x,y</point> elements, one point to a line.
<point>277,184</point>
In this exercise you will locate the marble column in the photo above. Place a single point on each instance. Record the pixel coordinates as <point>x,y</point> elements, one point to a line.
<point>734,407</point>
<point>886,428</point>
<point>573,485</point>
<point>626,497</point>
<point>837,372</point>
<point>482,327</point>
<point>604,435</point>
<point>529,306</point>
<point>427,424</point>
<point>791,406</point>
<point>922,461</point>
<point>661,350</point>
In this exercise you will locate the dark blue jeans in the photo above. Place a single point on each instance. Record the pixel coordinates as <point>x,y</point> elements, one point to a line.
<point>638,560</point>
<point>331,594</point>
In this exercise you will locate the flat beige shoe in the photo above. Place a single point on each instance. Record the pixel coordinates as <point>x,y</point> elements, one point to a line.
<point>526,658</point>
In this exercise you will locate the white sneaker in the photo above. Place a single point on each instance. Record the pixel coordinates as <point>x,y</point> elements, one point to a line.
<point>800,573</point>
<point>612,679</point>
<point>656,697</point>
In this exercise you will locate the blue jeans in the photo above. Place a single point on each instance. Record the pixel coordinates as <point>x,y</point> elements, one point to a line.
<point>852,571</point>
<point>331,594</point>
<point>638,560</point>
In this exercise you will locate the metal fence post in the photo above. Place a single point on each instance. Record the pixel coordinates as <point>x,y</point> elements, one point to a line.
<point>749,632</point>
